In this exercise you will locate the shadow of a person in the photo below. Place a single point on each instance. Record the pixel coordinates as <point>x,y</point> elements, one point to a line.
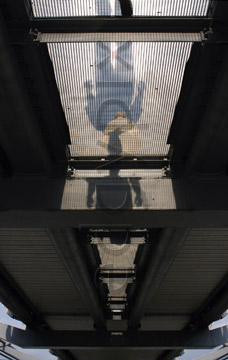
<point>114,192</point>
<point>114,85</point>
<point>115,112</point>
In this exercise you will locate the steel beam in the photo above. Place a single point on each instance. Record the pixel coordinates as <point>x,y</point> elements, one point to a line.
<point>164,253</point>
<point>147,340</point>
<point>119,24</point>
<point>69,249</point>
<point>133,218</point>
<point>118,163</point>
<point>164,202</point>
<point>211,137</point>
<point>21,140</point>
<point>116,37</point>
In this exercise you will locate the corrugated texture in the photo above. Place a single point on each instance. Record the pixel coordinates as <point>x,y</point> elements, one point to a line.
<point>46,8</point>
<point>197,270</point>
<point>125,192</point>
<point>117,256</point>
<point>30,258</point>
<point>120,354</point>
<point>164,322</point>
<point>116,37</point>
<point>101,83</point>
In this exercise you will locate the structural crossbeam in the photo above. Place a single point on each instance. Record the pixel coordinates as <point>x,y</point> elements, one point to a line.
<point>80,202</point>
<point>119,24</point>
<point>147,340</point>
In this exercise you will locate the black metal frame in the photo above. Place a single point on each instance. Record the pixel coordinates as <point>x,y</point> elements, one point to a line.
<point>109,24</point>
<point>144,340</point>
<point>118,162</point>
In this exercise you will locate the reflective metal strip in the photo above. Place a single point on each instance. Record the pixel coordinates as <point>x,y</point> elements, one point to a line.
<point>115,37</point>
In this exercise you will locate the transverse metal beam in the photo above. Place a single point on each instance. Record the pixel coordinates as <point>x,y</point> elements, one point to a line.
<point>44,202</point>
<point>116,37</point>
<point>119,24</point>
<point>147,340</point>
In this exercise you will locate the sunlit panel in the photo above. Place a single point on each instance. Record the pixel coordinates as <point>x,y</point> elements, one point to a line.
<point>47,8</point>
<point>119,97</point>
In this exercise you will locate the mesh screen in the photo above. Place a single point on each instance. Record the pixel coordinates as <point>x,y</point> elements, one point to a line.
<point>48,8</point>
<point>119,97</point>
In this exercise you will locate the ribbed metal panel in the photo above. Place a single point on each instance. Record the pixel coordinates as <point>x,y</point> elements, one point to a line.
<point>117,37</point>
<point>31,260</point>
<point>47,8</point>
<point>119,354</point>
<point>117,256</point>
<point>197,270</point>
<point>98,80</point>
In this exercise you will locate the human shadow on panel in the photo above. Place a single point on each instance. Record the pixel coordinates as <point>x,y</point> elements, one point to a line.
<point>115,89</point>
<point>114,106</point>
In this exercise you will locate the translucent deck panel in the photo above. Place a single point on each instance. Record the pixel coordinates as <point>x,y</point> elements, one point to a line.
<point>66,8</point>
<point>119,97</point>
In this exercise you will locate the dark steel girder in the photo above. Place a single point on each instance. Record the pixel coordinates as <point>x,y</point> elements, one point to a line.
<point>147,340</point>
<point>180,203</point>
<point>23,134</point>
<point>165,251</point>
<point>137,162</point>
<point>119,24</point>
<point>69,249</point>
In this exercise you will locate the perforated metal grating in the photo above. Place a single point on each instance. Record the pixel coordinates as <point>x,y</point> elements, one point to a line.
<point>100,81</point>
<point>47,8</point>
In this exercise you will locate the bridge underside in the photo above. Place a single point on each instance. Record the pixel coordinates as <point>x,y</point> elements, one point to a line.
<point>124,253</point>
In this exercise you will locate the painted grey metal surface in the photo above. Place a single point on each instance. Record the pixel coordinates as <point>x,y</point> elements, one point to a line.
<point>198,269</point>
<point>30,257</point>
<point>27,136</point>
<point>162,258</point>
<point>69,249</point>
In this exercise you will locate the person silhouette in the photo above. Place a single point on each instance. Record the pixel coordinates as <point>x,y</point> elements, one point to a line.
<point>114,86</point>
<point>121,136</point>
<point>126,7</point>
<point>114,192</point>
